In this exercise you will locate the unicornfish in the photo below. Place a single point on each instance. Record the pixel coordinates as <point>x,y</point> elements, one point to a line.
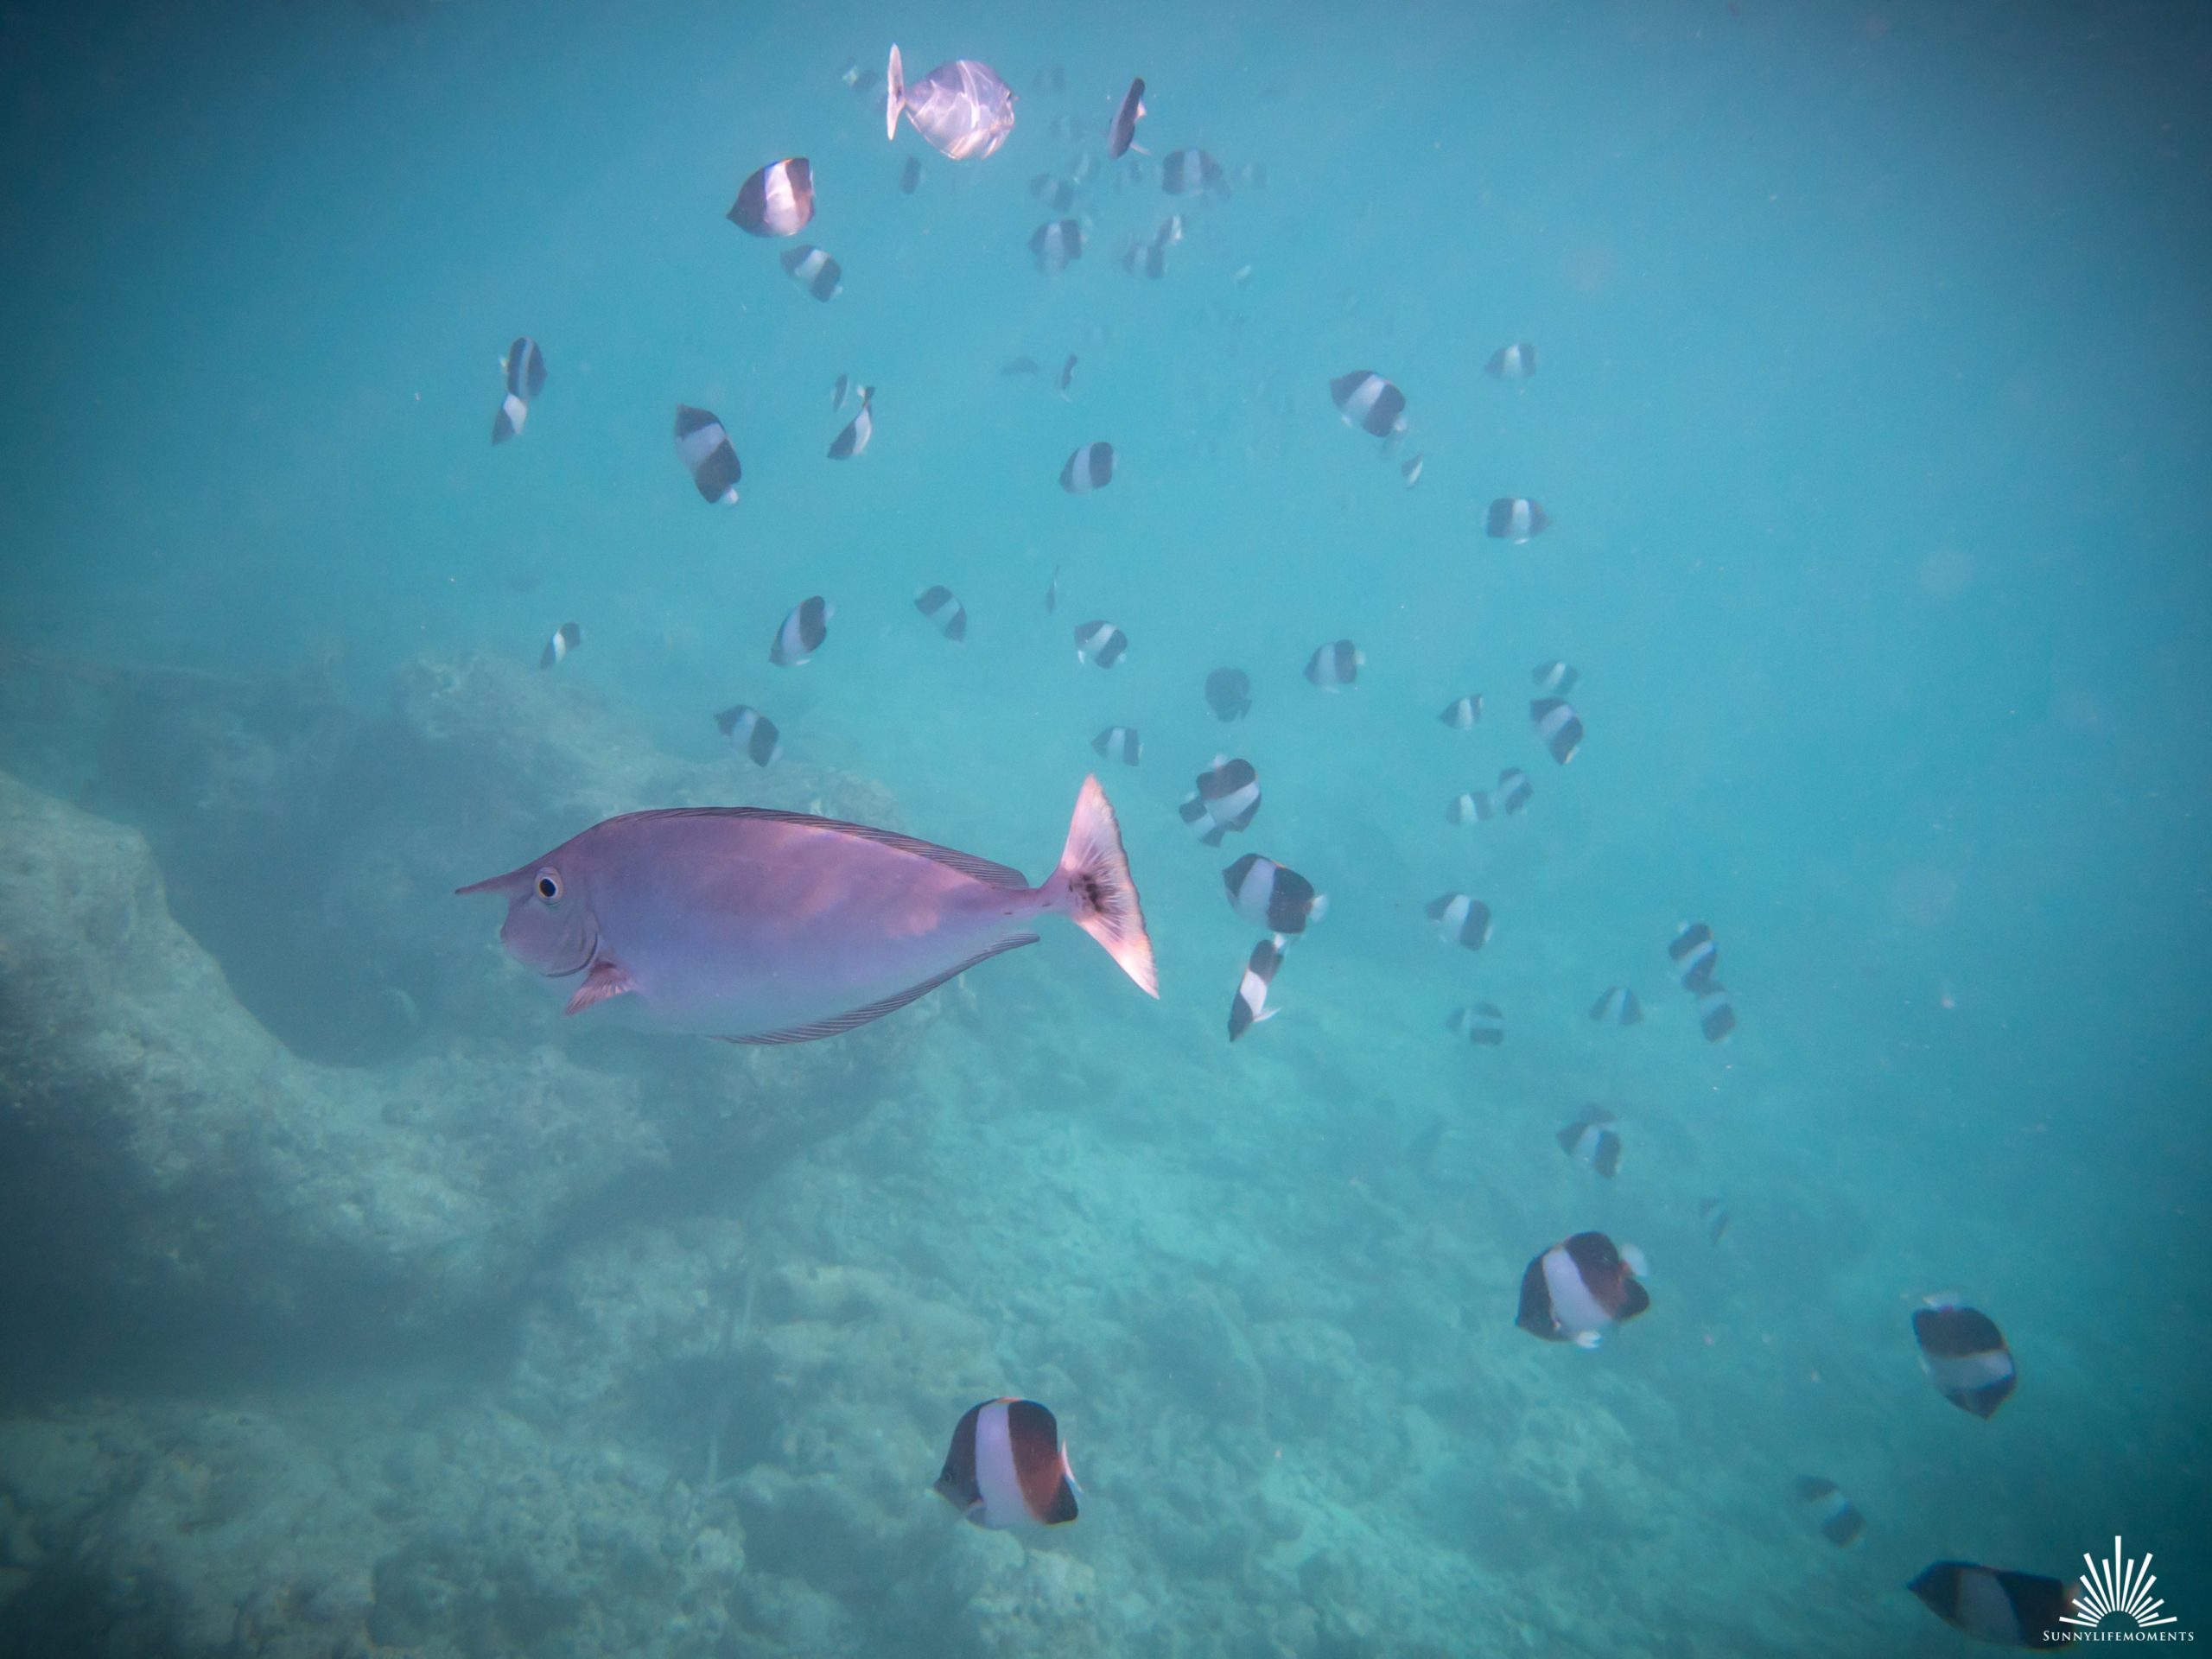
<point>761,926</point>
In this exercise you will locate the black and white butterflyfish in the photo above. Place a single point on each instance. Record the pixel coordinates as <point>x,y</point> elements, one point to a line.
<point>802,632</point>
<point>1122,132</point>
<point>1228,694</point>
<point>854,439</point>
<point>1713,1213</point>
<point>1067,375</point>
<point>1831,1510</point>
<point>946,612</point>
<point>1170,231</point>
<point>1006,1468</point>
<point>1248,1007</point>
<point>1188,172</point>
<point>1226,800</point>
<point>1272,896</point>
<point>1516,519</point>
<point>1470,806</point>
<point>1558,726</point>
<point>1057,193</point>
<point>1581,1288</point>
<point>1410,471</point>
<point>1554,679</point>
<point>1965,1355</point>
<point>1481,1024</point>
<point>1100,643</point>
<point>565,638</point>
<point>1369,402</point>
<point>910,176</point>
<point>1513,362</point>
<point>1695,954</point>
<point>1140,256</point>
<point>2007,1609</point>
<point>1591,1140</point>
<point>1335,665</point>
<point>1460,920</point>
<point>1462,712</point>
<point>751,733</point>
<point>778,201</point>
<point>522,371</point>
<point>813,270</point>
<point>1057,245</point>
<point>1119,743</point>
<point>708,454</point>
<point>1091,468</point>
<point>1513,792</point>
<point>1716,1012</point>
<point>1617,1006</point>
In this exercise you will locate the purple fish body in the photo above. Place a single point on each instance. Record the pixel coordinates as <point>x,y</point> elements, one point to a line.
<point>963,108</point>
<point>761,926</point>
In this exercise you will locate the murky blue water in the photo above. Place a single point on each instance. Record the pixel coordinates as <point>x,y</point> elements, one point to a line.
<point>1874,361</point>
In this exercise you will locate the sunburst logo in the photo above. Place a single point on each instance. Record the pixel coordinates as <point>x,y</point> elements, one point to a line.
<point>2119,1585</point>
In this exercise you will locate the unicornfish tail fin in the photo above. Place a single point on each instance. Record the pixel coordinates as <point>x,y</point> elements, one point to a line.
<point>1093,888</point>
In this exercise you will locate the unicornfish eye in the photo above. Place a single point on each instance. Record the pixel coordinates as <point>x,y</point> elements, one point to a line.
<point>549,887</point>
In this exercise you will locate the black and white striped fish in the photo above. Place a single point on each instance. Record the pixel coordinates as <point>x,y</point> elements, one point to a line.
<point>1591,1140</point>
<point>1006,1468</point>
<point>2007,1609</point>
<point>1226,800</point>
<point>1228,694</point>
<point>1462,712</point>
<point>1481,1024</point>
<point>565,638</point>
<point>778,201</point>
<point>1558,725</point>
<point>802,632</point>
<point>1120,743</point>
<point>1248,1007</point>
<point>1695,954</point>
<point>813,270</point>
<point>1513,362</point>
<point>1187,172</point>
<point>1057,245</point>
<point>1513,792</point>
<point>1369,402</point>
<point>1101,644</point>
<point>854,439</point>
<point>1122,132</point>
<point>1516,518</point>
<point>751,733</point>
<point>1716,1013</point>
<point>1617,1006</point>
<point>1091,468</point>
<point>1470,806</point>
<point>1831,1510</point>
<point>1460,920</point>
<point>523,373</point>
<point>945,612</point>
<point>1965,1355</point>
<point>1554,679</point>
<point>1270,895</point>
<point>704,447</point>
<point>1335,665</point>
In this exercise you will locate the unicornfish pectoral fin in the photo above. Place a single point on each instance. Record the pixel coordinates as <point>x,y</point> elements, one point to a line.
<point>605,980</point>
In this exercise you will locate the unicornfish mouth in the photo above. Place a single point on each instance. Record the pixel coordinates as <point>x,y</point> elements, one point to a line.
<point>590,950</point>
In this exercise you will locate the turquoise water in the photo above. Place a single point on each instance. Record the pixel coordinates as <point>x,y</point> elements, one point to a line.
<point>1874,361</point>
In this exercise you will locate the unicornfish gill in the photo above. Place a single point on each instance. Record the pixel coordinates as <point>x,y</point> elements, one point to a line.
<point>761,926</point>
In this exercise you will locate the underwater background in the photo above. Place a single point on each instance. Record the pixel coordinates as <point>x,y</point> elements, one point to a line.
<point>355,1302</point>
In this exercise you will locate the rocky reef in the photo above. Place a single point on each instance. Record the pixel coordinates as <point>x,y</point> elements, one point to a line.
<point>391,1122</point>
<point>357,1304</point>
